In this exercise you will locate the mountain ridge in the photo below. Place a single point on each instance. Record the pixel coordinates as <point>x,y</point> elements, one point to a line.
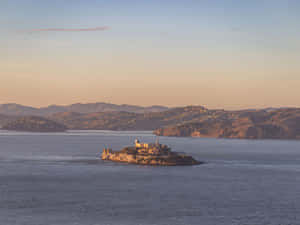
<point>189,121</point>
<point>14,109</point>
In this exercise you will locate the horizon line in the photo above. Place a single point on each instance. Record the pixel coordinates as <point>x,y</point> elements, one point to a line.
<point>54,29</point>
<point>147,106</point>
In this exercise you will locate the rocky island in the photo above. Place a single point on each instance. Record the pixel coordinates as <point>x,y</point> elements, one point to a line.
<point>153,154</point>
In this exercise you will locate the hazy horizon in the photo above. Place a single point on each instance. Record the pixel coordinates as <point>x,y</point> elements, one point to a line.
<point>169,106</point>
<point>219,54</point>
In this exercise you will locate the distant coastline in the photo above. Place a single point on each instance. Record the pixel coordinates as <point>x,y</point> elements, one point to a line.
<point>34,124</point>
<point>189,121</point>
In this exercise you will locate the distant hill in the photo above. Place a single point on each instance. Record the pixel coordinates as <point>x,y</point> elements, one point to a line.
<point>34,124</point>
<point>194,121</point>
<point>129,120</point>
<point>251,124</point>
<point>4,119</point>
<point>13,109</point>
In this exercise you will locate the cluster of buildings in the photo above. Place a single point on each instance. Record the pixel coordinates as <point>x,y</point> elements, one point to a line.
<point>151,148</point>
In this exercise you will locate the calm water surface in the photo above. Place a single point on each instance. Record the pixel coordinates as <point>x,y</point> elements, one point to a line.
<point>59,179</point>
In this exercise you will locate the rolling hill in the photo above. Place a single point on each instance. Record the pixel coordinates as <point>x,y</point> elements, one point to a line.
<point>194,121</point>
<point>13,109</point>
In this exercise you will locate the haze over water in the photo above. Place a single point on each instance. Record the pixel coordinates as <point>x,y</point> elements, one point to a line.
<point>59,179</point>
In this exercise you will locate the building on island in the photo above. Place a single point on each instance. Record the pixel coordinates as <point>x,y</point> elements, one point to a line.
<point>148,154</point>
<point>138,144</point>
<point>151,148</point>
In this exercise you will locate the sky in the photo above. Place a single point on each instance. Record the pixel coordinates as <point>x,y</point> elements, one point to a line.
<point>227,54</point>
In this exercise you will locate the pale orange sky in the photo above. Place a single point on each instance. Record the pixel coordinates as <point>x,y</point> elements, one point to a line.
<point>218,56</point>
<point>212,93</point>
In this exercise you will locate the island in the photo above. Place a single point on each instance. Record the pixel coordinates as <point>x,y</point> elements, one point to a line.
<point>153,154</point>
<point>34,124</point>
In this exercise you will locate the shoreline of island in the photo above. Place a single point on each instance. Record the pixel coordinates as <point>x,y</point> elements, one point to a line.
<point>152,154</point>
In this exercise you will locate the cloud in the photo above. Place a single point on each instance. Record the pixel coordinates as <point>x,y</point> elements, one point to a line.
<point>89,29</point>
<point>236,29</point>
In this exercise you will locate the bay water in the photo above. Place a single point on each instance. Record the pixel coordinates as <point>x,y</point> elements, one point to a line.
<point>60,179</point>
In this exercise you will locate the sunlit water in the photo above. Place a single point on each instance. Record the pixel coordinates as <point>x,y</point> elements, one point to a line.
<point>59,179</point>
